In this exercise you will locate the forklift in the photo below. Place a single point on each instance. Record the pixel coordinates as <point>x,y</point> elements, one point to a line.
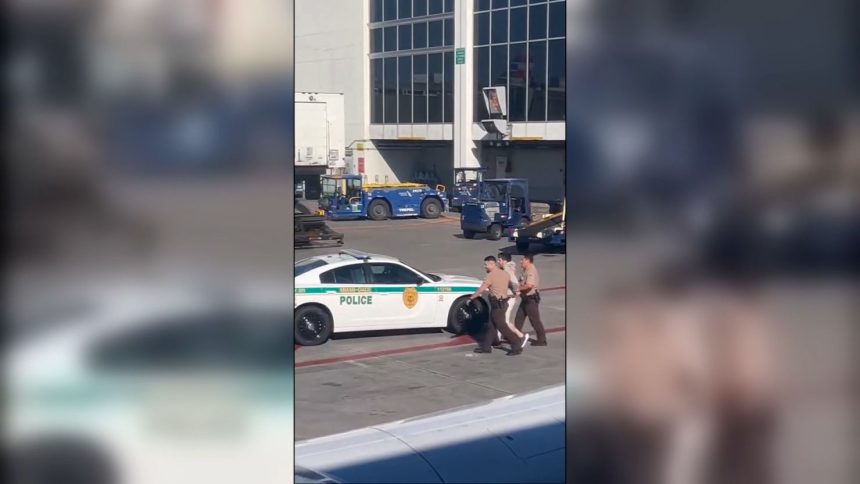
<point>465,187</point>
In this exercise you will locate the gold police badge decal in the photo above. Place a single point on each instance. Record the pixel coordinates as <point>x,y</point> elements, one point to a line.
<point>410,297</point>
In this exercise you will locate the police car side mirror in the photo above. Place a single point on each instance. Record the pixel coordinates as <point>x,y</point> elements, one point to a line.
<point>420,281</point>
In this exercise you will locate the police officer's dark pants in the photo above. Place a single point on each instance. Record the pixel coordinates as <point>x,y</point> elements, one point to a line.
<point>497,316</point>
<point>529,307</point>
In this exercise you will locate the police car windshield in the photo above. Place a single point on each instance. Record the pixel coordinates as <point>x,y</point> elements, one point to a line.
<point>306,265</point>
<point>432,277</point>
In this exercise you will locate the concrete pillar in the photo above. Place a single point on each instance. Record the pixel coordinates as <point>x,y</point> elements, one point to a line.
<point>467,154</point>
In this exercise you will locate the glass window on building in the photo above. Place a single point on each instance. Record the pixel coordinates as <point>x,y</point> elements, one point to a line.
<point>419,35</point>
<point>404,36</point>
<point>449,31</point>
<point>517,81</point>
<point>434,90</point>
<point>435,36</point>
<point>556,82</point>
<point>376,11</point>
<point>390,34</point>
<point>436,7</point>
<point>419,8</point>
<point>537,81</point>
<point>404,76</point>
<point>482,29</point>
<point>404,9</point>
<point>537,1</point>
<point>556,19</point>
<point>390,12</point>
<point>448,113</point>
<point>500,4</point>
<point>375,40</point>
<point>499,28</point>
<point>519,3</point>
<point>376,91</point>
<point>482,80</point>
<point>481,5</point>
<point>390,102</point>
<point>537,22</point>
<point>449,6</point>
<point>419,89</point>
<point>519,24</point>
<point>499,65</point>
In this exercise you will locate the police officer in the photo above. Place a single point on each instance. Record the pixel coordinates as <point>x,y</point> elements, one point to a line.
<point>497,282</point>
<point>531,299</point>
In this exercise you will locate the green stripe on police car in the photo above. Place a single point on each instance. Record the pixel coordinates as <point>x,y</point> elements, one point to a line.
<point>383,290</point>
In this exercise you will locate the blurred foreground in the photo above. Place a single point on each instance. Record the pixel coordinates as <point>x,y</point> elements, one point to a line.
<point>151,188</point>
<point>714,202</point>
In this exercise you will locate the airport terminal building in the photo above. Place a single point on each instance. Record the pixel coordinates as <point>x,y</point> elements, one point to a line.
<point>412,72</point>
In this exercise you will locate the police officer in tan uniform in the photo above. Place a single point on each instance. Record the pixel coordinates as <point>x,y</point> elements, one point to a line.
<point>530,300</point>
<point>496,283</point>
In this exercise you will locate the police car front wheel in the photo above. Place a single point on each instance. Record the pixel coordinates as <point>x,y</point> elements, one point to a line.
<point>467,316</point>
<point>313,326</point>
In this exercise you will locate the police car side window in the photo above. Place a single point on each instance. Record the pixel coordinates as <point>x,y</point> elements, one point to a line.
<point>353,274</point>
<point>392,274</point>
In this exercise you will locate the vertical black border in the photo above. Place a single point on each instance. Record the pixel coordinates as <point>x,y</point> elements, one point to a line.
<point>291,80</point>
<point>568,183</point>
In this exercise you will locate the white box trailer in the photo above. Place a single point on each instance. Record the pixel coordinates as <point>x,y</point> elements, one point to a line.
<point>319,130</point>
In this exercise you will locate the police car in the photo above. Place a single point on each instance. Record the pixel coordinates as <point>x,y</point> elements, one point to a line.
<point>357,291</point>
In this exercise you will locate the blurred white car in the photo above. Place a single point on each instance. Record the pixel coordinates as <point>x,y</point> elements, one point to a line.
<point>153,386</point>
<point>357,291</point>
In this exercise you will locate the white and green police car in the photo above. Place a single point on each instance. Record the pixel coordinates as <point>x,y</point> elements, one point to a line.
<point>357,291</point>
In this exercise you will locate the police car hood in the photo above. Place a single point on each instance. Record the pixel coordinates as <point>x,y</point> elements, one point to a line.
<point>459,280</point>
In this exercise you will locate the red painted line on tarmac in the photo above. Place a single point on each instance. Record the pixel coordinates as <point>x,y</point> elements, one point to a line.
<point>548,289</point>
<point>458,341</point>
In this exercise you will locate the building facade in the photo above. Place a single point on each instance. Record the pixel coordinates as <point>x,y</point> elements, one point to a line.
<point>414,105</point>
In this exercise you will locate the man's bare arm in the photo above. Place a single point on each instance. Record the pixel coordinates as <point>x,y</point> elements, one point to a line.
<point>480,291</point>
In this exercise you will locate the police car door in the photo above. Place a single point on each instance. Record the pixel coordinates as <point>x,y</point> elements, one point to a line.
<point>397,287</point>
<point>347,294</point>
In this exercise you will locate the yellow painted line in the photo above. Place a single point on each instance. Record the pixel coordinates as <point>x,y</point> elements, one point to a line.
<point>526,138</point>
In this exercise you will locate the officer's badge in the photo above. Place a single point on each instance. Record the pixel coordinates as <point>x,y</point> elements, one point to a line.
<point>410,297</point>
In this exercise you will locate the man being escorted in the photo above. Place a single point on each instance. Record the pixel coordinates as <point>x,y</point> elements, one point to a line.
<point>531,300</point>
<point>497,282</point>
<point>506,264</point>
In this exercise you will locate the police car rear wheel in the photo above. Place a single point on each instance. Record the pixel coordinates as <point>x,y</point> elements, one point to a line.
<point>467,316</point>
<point>431,208</point>
<point>313,326</point>
<point>494,232</point>
<point>378,210</point>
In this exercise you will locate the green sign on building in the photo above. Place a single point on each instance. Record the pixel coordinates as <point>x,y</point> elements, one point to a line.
<point>460,56</point>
